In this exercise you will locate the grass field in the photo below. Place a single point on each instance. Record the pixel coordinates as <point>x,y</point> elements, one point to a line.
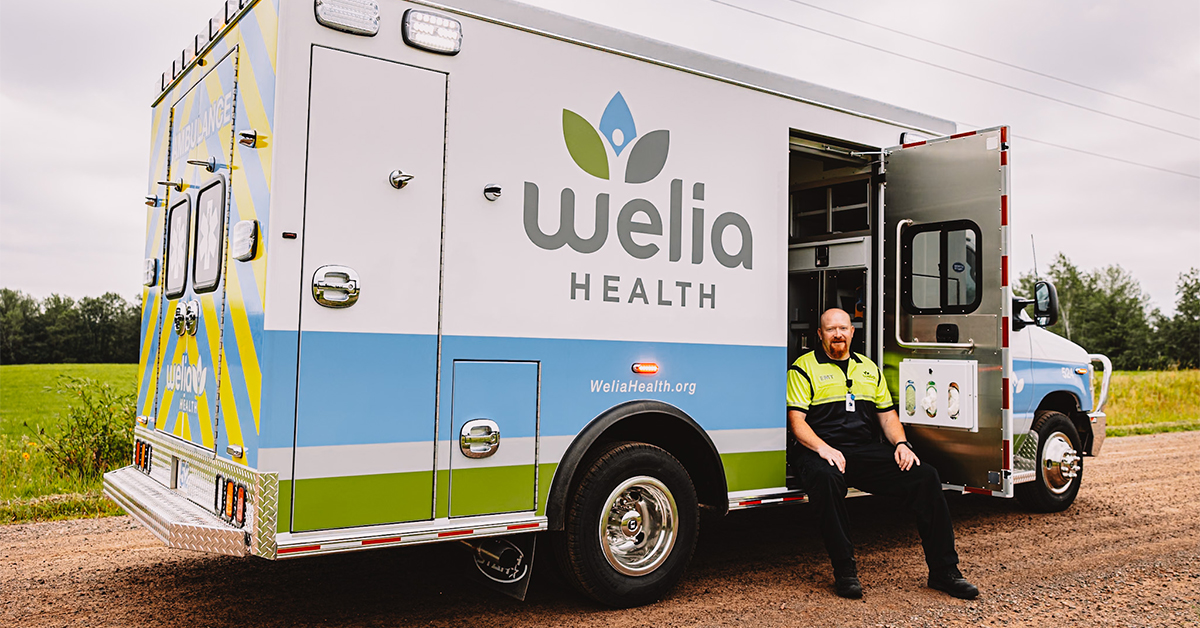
<point>1148,402</point>
<point>31,489</point>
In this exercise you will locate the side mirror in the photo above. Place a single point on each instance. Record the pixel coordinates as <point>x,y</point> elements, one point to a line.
<point>1045,304</point>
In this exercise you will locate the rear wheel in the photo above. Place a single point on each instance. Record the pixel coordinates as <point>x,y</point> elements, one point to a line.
<point>1059,465</point>
<point>630,527</point>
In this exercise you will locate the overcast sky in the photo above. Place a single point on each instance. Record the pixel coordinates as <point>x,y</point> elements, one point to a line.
<point>77,78</point>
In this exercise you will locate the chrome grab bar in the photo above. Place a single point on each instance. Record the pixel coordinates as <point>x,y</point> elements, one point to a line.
<point>968,345</point>
<point>1103,359</point>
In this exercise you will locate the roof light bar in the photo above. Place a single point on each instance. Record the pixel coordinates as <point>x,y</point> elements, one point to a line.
<point>432,32</point>
<point>357,17</point>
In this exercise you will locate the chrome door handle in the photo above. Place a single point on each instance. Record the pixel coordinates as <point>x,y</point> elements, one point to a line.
<point>335,286</point>
<point>479,438</point>
<point>399,178</point>
<point>187,317</point>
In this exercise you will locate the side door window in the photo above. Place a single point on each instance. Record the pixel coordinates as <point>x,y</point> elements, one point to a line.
<point>939,268</point>
<point>179,223</point>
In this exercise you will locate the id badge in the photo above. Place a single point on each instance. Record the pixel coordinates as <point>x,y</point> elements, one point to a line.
<point>849,402</point>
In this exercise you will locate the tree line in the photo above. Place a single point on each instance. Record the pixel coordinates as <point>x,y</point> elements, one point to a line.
<point>59,329</point>
<point>1105,311</point>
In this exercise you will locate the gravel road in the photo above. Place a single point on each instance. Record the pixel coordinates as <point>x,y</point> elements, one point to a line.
<point>1126,554</point>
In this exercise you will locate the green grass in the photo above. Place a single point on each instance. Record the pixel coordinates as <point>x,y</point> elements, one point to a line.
<point>31,487</point>
<point>1151,402</point>
<point>27,392</point>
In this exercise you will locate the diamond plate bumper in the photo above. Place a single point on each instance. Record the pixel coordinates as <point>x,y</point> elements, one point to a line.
<point>171,517</point>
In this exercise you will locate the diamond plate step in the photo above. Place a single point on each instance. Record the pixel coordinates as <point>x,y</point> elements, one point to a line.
<point>171,517</point>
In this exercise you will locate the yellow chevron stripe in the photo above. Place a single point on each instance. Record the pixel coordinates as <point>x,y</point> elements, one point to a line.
<point>256,114</point>
<point>233,426</point>
<point>267,20</point>
<point>246,349</point>
<point>151,330</point>
<point>212,327</point>
<point>160,422</point>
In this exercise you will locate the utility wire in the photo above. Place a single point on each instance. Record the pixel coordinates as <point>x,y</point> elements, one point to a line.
<point>1103,156</point>
<point>998,61</point>
<point>952,70</point>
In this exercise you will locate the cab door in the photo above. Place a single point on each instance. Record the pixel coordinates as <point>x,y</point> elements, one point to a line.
<point>194,257</point>
<point>948,304</point>
<point>369,305</point>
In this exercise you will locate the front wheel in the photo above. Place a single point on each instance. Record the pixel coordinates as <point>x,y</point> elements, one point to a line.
<point>1059,465</point>
<point>631,526</point>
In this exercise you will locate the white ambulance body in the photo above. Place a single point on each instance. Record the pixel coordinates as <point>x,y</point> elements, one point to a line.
<point>419,273</point>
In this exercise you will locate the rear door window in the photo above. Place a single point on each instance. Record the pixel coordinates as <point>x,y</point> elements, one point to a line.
<point>179,223</point>
<point>940,268</point>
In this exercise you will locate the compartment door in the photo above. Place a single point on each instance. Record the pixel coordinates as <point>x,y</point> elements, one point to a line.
<point>195,258</point>
<point>369,305</point>
<point>947,300</point>
<point>494,426</point>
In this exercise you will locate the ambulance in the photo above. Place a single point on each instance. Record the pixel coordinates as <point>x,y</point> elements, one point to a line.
<point>419,273</point>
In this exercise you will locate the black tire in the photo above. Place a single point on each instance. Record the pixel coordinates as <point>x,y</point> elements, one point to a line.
<point>600,551</point>
<point>1059,468</point>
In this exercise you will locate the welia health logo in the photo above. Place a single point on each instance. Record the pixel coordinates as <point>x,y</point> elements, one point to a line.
<point>647,155</point>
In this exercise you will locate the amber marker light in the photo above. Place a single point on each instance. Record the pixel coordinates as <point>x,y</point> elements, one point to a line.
<point>645,368</point>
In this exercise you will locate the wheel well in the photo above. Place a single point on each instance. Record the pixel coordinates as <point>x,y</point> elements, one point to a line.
<point>652,422</point>
<point>1068,404</point>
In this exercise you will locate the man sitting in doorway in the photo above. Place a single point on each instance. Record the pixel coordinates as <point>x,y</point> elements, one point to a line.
<point>838,405</point>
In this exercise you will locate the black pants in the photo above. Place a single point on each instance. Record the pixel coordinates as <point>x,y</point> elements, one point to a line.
<point>872,468</point>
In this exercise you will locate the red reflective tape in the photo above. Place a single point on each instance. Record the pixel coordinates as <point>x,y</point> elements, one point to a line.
<point>390,539</point>
<point>1004,463</point>
<point>1003,158</point>
<point>1004,134</point>
<point>911,144</point>
<point>442,535</point>
<point>1004,332</point>
<point>752,502</point>
<point>1004,397</point>
<point>523,526</point>
<point>966,134</point>
<point>1004,270</point>
<point>978,491</point>
<point>292,550</point>
<point>793,499</point>
<point>1003,210</point>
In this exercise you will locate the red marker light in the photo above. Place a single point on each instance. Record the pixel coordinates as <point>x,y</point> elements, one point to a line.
<point>645,368</point>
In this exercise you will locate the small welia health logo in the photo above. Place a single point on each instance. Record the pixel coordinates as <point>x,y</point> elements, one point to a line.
<point>647,155</point>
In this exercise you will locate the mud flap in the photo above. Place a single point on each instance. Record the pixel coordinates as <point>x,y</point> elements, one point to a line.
<point>503,563</point>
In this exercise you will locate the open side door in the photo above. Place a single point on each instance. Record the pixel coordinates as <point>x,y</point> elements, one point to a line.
<point>947,304</point>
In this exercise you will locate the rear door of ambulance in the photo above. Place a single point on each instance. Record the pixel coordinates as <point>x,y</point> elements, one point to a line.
<point>948,304</point>
<point>194,262</point>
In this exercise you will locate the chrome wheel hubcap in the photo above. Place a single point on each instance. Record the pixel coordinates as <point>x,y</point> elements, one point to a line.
<point>638,528</point>
<point>1060,463</point>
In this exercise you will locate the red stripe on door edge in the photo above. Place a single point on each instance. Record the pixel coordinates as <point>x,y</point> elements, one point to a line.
<point>1004,270</point>
<point>1004,134</point>
<point>390,539</point>
<point>752,502</point>
<point>1004,332</point>
<point>442,535</point>
<point>1004,210</point>
<point>911,144</point>
<point>1004,463</point>
<point>523,526</point>
<point>793,499</point>
<point>966,134</point>
<point>291,550</point>
<point>1003,158</point>
<point>977,491</point>
<point>1004,397</point>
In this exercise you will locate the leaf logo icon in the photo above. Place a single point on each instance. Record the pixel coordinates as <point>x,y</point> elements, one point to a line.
<point>647,155</point>
<point>584,145</point>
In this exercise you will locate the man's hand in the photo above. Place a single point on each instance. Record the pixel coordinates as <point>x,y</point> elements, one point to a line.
<point>906,458</point>
<point>833,457</point>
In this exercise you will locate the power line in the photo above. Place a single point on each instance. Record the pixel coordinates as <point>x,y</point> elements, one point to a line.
<point>1103,156</point>
<point>993,60</point>
<point>952,70</point>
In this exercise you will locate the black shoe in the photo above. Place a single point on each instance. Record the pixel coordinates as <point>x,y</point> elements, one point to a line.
<point>848,587</point>
<point>952,581</point>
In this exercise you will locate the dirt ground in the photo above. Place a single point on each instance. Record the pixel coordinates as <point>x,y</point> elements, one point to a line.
<point>1126,554</point>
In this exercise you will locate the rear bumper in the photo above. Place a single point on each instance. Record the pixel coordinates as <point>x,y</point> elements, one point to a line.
<point>174,519</point>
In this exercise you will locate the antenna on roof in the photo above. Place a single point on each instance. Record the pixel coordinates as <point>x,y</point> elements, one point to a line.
<point>1033,245</point>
